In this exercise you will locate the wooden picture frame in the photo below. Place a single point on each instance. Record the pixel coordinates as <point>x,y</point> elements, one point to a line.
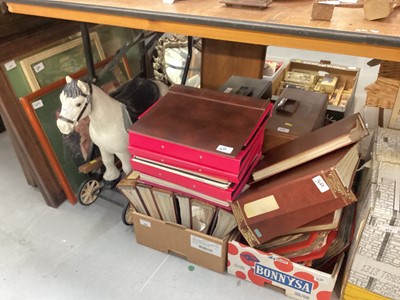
<point>48,66</point>
<point>42,107</point>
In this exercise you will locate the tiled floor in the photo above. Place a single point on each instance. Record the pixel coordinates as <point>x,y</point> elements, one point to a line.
<point>77,252</point>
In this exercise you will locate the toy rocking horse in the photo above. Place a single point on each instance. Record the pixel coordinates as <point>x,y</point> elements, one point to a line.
<point>110,116</point>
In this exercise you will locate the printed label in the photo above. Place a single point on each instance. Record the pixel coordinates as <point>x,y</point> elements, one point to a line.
<point>283,129</point>
<point>228,90</point>
<point>205,246</point>
<point>257,232</point>
<point>38,67</point>
<point>260,206</point>
<point>145,223</point>
<point>225,149</point>
<point>37,104</point>
<point>283,278</point>
<point>321,184</point>
<point>10,65</point>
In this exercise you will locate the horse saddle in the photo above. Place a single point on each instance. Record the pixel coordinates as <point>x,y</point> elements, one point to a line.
<point>138,94</point>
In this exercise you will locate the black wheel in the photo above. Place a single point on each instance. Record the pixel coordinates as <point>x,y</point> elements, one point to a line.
<point>89,191</point>
<point>127,216</point>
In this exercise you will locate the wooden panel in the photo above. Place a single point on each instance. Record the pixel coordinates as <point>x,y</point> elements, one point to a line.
<point>220,60</point>
<point>20,24</point>
<point>10,47</point>
<point>394,121</point>
<point>26,168</point>
<point>33,161</point>
<point>14,114</point>
<point>206,12</point>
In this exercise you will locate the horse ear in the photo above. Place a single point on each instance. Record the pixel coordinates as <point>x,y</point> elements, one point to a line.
<point>68,79</point>
<point>83,87</point>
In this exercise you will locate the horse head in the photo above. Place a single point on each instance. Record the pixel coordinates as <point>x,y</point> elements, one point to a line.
<point>76,103</point>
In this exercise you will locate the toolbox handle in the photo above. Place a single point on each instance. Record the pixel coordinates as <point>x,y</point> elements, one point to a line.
<point>287,106</point>
<point>245,91</point>
<point>325,62</point>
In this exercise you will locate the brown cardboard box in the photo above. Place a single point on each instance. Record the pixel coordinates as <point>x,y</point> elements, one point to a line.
<point>198,248</point>
<point>373,265</point>
<point>347,78</point>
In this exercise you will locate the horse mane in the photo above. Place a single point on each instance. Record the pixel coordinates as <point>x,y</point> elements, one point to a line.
<point>72,90</point>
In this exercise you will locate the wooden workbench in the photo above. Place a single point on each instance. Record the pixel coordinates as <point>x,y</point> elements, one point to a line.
<point>284,23</point>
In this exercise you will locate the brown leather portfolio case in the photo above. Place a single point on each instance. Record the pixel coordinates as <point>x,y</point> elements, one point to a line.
<point>295,113</point>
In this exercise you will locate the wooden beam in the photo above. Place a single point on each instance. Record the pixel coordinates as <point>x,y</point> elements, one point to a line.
<point>214,32</point>
<point>26,168</point>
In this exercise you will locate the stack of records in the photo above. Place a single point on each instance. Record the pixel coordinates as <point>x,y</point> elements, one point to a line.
<point>199,142</point>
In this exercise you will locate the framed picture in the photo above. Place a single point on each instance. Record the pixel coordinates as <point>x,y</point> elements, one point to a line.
<point>67,154</point>
<point>50,65</point>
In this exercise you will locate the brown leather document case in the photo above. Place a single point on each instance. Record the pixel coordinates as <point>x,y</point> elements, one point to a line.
<point>279,204</point>
<point>295,113</point>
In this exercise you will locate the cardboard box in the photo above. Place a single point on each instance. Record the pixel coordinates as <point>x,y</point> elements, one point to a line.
<point>373,265</point>
<point>354,292</point>
<point>347,77</point>
<point>198,248</point>
<point>297,281</point>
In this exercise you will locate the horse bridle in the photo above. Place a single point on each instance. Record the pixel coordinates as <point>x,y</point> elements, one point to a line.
<point>88,100</point>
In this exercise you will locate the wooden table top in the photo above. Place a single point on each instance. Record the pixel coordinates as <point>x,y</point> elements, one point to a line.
<point>284,23</point>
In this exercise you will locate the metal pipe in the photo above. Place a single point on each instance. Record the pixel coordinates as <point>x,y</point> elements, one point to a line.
<point>88,53</point>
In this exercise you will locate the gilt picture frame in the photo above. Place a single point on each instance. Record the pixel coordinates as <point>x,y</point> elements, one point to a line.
<point>48,66</point>
<point>66,154</point>
<point>170,57</point>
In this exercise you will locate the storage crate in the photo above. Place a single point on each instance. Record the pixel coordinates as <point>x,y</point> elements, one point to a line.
<point>347,78</point>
